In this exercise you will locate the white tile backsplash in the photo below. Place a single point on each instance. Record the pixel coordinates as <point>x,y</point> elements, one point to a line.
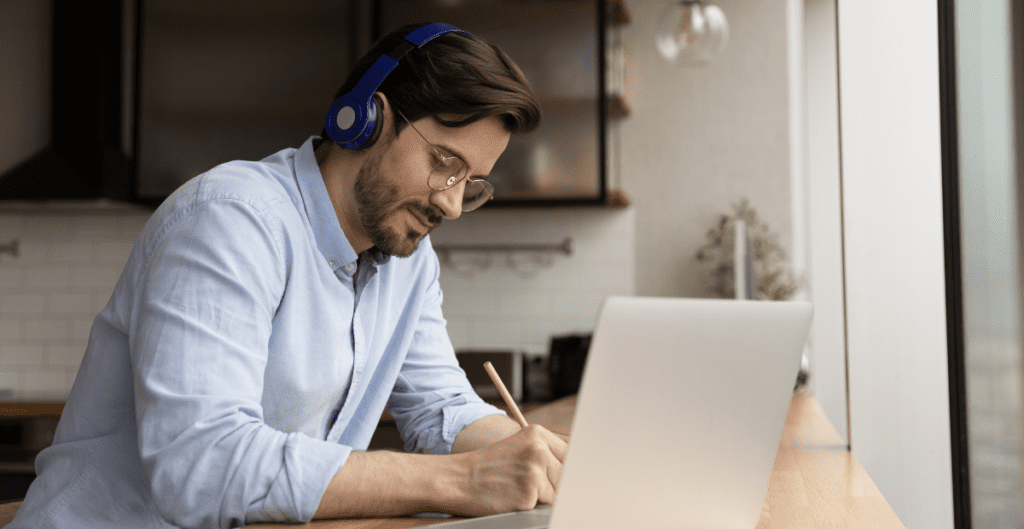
<point>69,264</point>
<point>71,251</point>
<point>62,303</point>
<point>50,379</point>
<point>67,267</point>
<point>97,277</point>
<point>10,329</point>
<point>519,300</point>
<point>24,304</point>
<point>23,356</point>
<point>64,356</point>
<point>44,329</point>
<point>80,327</point>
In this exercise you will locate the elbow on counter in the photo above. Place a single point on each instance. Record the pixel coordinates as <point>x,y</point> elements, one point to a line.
<point>250,473</point>
<point>212,475</point>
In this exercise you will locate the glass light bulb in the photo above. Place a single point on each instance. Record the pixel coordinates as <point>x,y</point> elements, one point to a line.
<point>691,33</point>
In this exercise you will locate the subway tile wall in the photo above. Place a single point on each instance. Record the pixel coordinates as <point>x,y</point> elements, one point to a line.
<point>518,300</point>
<point>70,260</point>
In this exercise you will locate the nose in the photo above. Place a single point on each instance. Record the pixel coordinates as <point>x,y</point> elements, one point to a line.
<point>450,200</point>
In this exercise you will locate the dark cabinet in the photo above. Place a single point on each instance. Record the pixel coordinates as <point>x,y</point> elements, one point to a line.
<point>222,80</point>
<point>163,90</point>
<point>88,80</point>
<point>218,84</point>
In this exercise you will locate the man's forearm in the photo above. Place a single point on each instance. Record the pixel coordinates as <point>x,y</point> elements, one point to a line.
<point>514,473</point>
<point>384,483</point>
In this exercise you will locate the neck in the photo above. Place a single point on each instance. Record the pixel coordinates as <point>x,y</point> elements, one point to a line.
<point>339,169</point>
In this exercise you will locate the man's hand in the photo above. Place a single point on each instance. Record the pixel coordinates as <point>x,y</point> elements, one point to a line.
<point>514,474</point>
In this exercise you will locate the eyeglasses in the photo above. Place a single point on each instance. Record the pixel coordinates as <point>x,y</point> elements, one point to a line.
<point>448,171</point>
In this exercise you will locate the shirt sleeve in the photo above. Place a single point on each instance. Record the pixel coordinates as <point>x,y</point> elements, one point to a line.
<point>201,324</point>
<point>432,400</point>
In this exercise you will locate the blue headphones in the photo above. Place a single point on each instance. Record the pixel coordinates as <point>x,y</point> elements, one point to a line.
<point>352,119</point>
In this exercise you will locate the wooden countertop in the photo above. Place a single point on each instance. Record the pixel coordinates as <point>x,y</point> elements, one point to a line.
<point>815,480</point>
<point>31,409</point>
<point>30,404</point>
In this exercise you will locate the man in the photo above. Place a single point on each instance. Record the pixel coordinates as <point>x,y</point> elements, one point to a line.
<point>271,310</point>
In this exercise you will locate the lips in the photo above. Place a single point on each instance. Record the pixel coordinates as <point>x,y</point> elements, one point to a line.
<point>427,226</point>
<point>424,216</point>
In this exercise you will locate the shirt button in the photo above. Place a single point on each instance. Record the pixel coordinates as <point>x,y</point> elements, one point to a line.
<point>349,267</point>
<point>332,264</point>
<point>356,376</point>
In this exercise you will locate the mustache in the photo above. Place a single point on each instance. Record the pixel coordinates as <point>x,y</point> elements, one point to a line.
<point>430,213</point>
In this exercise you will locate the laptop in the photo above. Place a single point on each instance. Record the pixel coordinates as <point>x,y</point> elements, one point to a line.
<point>678,418</point>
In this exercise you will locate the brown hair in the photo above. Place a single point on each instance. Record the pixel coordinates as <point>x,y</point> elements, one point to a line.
<point>455,74</point>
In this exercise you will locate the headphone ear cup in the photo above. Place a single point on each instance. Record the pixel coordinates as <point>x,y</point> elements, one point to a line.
<point>374,119</point>
<point>345,122</point>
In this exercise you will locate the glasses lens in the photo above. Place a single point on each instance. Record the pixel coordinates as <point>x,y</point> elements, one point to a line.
<point>477,192</point>
<point>448,172</point>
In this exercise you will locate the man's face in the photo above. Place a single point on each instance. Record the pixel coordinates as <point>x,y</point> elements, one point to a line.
<point>396,206</point>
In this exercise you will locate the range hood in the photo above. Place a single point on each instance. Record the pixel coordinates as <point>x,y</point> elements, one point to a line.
<point>84,159</point>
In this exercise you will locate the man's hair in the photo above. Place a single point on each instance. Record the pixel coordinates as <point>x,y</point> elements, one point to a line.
<point>457,75</point>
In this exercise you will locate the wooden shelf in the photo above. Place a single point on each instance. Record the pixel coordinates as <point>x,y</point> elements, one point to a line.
<point>18,467</point>
<point>617,107</point>
<point>616,198</point>
<point>618,14</point>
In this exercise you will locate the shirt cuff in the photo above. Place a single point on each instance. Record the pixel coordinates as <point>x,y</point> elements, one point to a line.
<point>459,416</point>
<point>309,466</point>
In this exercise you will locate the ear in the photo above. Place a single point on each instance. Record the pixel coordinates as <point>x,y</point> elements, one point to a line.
<point>385,116</point>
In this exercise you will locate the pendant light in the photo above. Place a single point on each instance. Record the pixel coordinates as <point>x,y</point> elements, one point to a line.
<point>691,32</point>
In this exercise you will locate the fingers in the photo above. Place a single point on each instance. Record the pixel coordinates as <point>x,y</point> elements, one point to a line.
<point>558,446</point>
<point>551,450</point>
<point>520,471</point>
<point>547,492</point>
<point>554,468</point>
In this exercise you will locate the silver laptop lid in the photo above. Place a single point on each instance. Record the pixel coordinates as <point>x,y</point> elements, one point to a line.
<point>680,413</point>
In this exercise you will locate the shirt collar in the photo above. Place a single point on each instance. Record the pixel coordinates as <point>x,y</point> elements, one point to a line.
<point>330,238</point>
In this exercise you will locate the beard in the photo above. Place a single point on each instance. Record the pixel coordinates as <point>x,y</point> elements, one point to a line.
<point>378,200</point>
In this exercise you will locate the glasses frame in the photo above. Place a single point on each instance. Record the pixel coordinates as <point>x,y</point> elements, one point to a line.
<point>487,187</point>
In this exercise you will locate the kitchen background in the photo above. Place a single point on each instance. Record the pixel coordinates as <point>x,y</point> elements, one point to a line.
<point>70,257</point>
<point>761,122</point>
<point>695,142</point>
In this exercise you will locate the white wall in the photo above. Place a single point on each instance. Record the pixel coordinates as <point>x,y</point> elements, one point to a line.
<point>700,139</point>
<point>68,262</point>
<point>895,277</point>
<point>519,300</point>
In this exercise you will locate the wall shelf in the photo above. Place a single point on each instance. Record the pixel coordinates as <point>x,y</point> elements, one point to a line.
<point>617,107</point>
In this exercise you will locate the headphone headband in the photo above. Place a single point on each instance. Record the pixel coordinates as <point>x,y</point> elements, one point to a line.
<point>352,119</point>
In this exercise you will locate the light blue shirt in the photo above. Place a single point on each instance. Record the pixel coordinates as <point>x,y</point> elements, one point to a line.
<point>242,358</point>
